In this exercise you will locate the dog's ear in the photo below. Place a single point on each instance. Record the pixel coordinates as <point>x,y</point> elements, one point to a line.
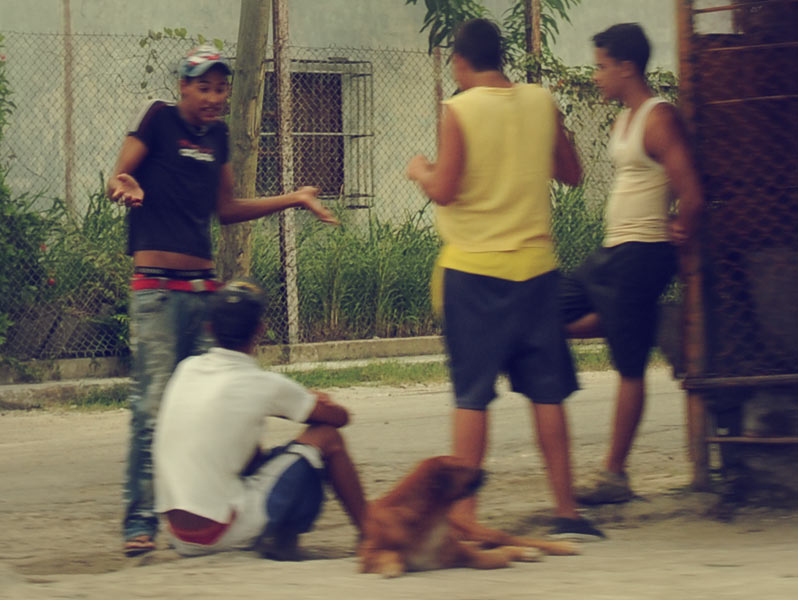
<point>441,482</point>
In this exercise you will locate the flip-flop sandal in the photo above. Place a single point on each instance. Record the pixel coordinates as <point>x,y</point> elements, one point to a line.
<point>139,545</point>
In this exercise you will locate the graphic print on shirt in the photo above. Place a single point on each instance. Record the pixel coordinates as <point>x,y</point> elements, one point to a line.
<point>194,151</point>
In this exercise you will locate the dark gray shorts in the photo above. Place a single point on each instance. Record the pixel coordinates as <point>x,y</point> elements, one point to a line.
<point>494,326</point>
<point>623,285</point>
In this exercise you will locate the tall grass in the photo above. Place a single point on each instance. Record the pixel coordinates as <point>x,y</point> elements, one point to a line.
<point>355,281</point>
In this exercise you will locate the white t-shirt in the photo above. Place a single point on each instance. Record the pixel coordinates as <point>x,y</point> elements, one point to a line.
<point>210,422</point>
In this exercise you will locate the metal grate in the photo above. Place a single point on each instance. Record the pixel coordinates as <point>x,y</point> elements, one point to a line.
<point>745,78</point>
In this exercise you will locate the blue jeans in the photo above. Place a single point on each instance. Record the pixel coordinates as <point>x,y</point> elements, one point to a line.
<point>165,327</point>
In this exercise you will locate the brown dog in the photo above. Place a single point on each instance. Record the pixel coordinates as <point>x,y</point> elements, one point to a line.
<point>409,528</point>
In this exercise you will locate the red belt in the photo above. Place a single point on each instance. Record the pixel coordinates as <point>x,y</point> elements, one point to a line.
<point>143,282</point>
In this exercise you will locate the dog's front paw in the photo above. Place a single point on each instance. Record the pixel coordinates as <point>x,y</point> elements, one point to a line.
<point>391,570</point>
<point>528,554</point>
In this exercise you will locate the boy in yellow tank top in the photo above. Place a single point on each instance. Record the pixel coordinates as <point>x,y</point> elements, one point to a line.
<point>614,294</point>
<point>499,146</point>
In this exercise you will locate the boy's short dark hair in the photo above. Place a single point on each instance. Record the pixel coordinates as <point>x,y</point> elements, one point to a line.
<point>235,313</point>
<point>479,41</point>
<point>625,41</point>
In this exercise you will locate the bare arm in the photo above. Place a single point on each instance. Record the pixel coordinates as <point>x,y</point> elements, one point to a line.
<point>666,142</point>
<point>235,210</point>
<point>441,180</point>
<point>328,412</point>
<point>122,187</point>
<point>567,168</point>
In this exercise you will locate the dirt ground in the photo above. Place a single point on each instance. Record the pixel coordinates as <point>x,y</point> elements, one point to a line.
<point>60,508</point>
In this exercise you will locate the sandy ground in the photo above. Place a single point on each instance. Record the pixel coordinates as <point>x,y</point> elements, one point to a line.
<point>60,508</point>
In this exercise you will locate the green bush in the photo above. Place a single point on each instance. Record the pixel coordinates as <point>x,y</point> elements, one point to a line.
<point>23,235</point>
<point>88,261</point>
<point>66,278</point>
<point>23,232</point>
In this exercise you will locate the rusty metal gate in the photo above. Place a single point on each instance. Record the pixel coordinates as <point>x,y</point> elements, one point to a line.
<point>739,92</point>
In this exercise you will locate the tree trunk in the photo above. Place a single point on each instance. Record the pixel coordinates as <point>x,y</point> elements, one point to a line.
<point>533,42</point>
<point>235,249</point>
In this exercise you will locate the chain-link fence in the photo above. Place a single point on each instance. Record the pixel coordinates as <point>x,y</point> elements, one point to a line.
<point>745,102</point>
<point>356,117</point>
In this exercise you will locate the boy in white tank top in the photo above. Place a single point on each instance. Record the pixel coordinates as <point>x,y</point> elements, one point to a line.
<point>614,294</point>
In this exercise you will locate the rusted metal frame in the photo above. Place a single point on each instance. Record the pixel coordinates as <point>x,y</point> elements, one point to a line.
<point>751,47</point>
<point>751,99</point>
<point>753,381</point>
<point>745,439</point>
<point>695,349</point>
<point>690,270</point>
<point>728,7</point>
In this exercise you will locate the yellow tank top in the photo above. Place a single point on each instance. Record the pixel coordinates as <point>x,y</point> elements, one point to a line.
<point>500,222</point>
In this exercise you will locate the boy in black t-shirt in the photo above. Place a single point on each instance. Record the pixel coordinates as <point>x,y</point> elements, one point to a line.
<point>173,173</point>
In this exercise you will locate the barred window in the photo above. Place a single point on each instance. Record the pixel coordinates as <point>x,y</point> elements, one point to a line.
<point>331,127</point>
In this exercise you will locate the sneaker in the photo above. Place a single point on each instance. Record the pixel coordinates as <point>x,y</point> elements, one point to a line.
<point>575,530</point>
<point>282,546</point>
<point>608,488</point>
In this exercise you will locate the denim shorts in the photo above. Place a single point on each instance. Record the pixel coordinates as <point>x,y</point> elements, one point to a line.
<point>284,494</point>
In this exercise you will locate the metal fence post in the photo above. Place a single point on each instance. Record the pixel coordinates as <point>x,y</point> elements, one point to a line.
<point>282,67</point>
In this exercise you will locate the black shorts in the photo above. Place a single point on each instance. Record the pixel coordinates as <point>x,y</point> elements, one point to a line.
<point>622,284</point>
<point>494,326</point>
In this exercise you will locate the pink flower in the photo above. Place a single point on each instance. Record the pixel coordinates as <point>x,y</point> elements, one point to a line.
<point>2,58</point>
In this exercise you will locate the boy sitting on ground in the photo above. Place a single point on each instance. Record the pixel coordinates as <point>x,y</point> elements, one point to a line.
<point>215,487</point>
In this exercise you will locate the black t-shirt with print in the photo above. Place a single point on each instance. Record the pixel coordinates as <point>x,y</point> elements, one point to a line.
<point>180,177</point>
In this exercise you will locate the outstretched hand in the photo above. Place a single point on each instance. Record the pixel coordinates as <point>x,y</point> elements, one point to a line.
<point>125,190</point>
<point>308,197</point>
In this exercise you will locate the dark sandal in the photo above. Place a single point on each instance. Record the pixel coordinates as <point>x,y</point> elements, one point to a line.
<point>139,545</point>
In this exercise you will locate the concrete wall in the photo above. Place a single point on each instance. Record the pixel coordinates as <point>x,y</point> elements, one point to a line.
<point>322,23</point>
<point>314,23</point>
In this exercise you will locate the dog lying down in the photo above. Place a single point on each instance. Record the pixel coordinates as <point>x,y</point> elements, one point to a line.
<point>409,528</point>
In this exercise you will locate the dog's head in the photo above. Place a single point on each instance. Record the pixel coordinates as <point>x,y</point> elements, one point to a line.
<point>449,478</point>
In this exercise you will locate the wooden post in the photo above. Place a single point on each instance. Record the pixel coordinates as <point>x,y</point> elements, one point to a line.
<point>235,248</point>
<point>436,75</point>
<point>533,40</point>
<point>69,109</point>
<point>285,143</point>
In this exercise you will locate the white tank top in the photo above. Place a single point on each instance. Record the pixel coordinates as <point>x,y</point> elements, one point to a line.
<point>641,196</point>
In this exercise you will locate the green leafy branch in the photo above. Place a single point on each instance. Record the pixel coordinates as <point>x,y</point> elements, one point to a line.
<point>443,17</point>
<point>159,62</point>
